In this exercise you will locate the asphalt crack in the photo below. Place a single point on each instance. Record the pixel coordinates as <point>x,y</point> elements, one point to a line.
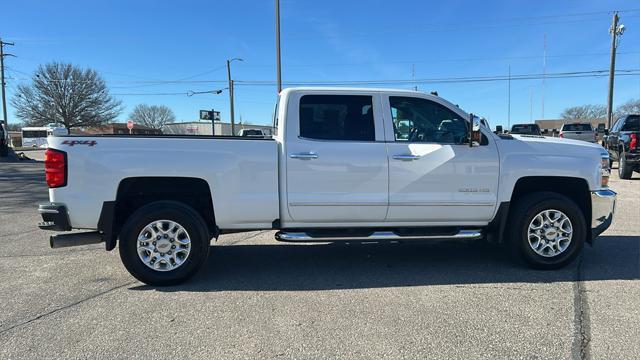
<point>581,319</point>
<point>27,322</point>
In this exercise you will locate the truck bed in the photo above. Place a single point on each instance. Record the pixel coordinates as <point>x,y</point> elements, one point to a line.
<point>240,171</point>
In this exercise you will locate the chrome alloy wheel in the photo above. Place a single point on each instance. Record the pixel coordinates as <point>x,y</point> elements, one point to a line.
<point>164,245</point>
<point>550,233</point>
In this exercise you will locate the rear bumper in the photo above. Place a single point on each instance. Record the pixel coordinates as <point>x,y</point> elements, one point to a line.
<point>603,204</point>
<point>54,217</point>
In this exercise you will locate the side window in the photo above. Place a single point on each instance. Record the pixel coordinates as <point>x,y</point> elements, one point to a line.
<point>337,117</point>
<point>632,124</point>
<point>617,124</point>
<point>421,120</point>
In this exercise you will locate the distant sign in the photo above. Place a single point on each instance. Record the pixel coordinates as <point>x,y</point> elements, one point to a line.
<point>130,124</point>
<point>210,115</point>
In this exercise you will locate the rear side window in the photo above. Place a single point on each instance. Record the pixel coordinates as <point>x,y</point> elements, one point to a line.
<point>337,117</point>
<point>577,127</point>
<point>631,124</point>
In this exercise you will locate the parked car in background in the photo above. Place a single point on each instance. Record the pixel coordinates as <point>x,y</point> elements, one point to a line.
<point>251,132</point>
<point>526,129</point>
<point>623,144</point>
<point>354,165</point>
<point>4,141</point>
<point>579,131</point>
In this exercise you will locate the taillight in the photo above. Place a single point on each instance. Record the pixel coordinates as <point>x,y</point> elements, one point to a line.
<point>561,134</point>
<point>55,168</point>
<point>633,144</point>
<point>605,171</point>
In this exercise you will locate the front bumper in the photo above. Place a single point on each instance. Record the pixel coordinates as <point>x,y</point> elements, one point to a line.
<point>603,204</point>
<point>54,217</point>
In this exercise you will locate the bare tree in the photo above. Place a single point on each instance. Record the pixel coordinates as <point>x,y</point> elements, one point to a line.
<point>153,116</point>
<point>584,112</point>
<point>65,94</point>
<point>630,107</point>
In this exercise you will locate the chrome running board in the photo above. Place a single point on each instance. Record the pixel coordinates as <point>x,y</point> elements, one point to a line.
<point>375,236</point>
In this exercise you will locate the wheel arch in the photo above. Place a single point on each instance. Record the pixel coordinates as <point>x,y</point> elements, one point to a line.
<point>575,188</point>
<point>135,192</point>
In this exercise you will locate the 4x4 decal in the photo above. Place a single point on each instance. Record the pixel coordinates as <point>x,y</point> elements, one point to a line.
<point>79,142</point>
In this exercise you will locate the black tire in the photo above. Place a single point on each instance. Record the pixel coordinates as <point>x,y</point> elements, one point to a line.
<point>4,150</point>
<point>180,213</point>
<point>624,170</point>
<point>526,208</point>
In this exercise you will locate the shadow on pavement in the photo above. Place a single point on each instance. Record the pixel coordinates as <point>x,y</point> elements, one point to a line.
<point>327,267</point>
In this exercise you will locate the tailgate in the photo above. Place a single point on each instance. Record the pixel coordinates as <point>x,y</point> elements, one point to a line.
<point>579,135</point>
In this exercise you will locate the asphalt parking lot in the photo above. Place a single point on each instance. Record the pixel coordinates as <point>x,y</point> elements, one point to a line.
<point>261,299</point>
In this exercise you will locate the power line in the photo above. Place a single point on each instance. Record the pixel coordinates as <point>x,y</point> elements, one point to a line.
<point>473,79</point>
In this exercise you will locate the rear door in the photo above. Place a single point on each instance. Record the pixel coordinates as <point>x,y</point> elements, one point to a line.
<point>337,169</point>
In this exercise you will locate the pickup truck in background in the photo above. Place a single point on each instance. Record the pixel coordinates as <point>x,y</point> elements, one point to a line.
<point>526,129</point>
<point>352,165</point>
<point>4,141</point>
<point>623,145</point>
<point>251,132</point>
<point>579,131</point>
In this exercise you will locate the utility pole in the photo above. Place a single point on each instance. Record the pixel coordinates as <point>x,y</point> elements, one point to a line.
<point>544,71</point>
<point>231,107</point>
<point>531,104</point>
<point>413,77</point>
<point>4,90</point>
<point>509,101</point>
<point>615,30</point>
<point>279,69</point>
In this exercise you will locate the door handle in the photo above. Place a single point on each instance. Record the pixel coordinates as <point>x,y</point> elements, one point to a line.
<point>304,155</point>
<point>406,157</point>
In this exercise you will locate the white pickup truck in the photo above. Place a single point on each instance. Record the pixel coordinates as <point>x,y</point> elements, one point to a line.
<point>343,165</point>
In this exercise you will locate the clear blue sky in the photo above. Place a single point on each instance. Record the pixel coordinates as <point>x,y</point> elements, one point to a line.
<point>132,42</point>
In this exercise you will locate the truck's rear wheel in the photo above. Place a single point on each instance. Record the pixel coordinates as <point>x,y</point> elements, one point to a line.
<point>624,170</point>
<point>164,243</point>
<point>547,230</point>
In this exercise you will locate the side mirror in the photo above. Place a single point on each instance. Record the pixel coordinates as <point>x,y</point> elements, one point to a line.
<point>474,131</point>
<point>606,131</point>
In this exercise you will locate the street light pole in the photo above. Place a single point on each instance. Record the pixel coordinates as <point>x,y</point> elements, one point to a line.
<point>231,107</point>
<point>278,66</point>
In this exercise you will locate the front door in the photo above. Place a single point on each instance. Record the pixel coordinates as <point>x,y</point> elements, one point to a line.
<point>337,169</point>
<point>434,176</point>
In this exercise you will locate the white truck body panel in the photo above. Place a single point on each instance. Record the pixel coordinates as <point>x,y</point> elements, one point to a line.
<point>242,174</point>
<point>350,184</point>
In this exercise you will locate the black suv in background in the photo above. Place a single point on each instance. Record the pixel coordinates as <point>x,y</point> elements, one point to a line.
<point>526,129</point>
<point>623,143</point>
<point>4,141</point>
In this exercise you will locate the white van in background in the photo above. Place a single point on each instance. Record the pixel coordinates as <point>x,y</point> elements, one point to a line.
<point>36,136</point>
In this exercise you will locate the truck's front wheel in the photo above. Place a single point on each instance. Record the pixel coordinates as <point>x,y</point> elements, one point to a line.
<point>164,243</point>
<point>547,229</point>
